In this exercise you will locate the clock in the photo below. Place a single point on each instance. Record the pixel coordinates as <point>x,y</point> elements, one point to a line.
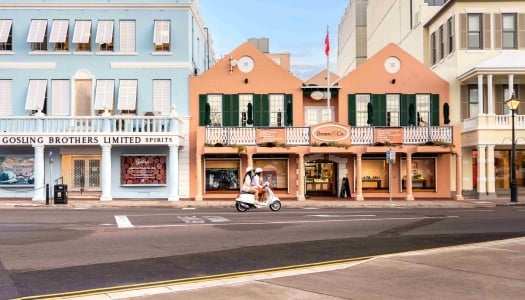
<point>392,64</point>
<point>245,64</point>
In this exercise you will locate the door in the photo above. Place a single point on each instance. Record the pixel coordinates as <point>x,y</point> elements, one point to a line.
<point>86,174</point>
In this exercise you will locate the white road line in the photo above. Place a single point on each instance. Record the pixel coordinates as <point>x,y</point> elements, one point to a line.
<point>123,222</point>
<point>337,216</point>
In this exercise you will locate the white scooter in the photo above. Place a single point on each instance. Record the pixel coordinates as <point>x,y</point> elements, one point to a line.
<point>246,200</point>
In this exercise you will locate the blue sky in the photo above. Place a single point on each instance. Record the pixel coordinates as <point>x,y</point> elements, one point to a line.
<point>297,27</point>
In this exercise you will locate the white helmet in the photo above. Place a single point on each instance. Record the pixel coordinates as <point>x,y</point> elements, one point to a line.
<point>249,169</point>
<point>258,170</point>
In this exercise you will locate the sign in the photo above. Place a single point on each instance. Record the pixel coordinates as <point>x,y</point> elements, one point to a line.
<point>391,156</point>
<point>85,140</point>
<point>392,135</point>
<point>330,132</point>
<point>17,170</point>
<point>271,135</point>
<point>143,169</point>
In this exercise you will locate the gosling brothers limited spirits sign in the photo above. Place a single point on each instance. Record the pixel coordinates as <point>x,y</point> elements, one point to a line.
<point>143,170</point>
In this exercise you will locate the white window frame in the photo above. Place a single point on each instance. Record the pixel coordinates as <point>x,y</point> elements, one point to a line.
<point>244,100</point>
<point>215,102</point>
<point>392,110</point>
<point>127,95</point>
<point>423,109</point>
<point>59,35</point>
<point>127,36</point>
<point>361,109</point>
<point>276,103</point>
<point>104,94</point>
<point>60,94</point>
<point>162,36</point>
<point>82,35</point>
<point>104,38</point>
<point>36,94</point>
<point>162,96</point>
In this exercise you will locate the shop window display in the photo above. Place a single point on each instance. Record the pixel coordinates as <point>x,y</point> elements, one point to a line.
<point>222,175</point>
<point>502,168</point>
<point>423,172</point>
<point>374,175</point>
<point>275,171</point>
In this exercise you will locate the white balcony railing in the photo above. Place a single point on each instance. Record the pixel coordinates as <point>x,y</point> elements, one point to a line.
<point>90,124</point>
<point>301,135</point>
<point>484,122</point>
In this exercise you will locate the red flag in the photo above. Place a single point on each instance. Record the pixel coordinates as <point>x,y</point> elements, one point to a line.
<point>326,44</point>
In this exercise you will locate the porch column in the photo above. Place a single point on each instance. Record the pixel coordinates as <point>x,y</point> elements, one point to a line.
<point>490,99</point>
<point>198,163</point>
<point>39,177</point>
<point>482,173</point>
<point>300,190</point>
<point>480,95</point>
<point>249,160</point>
<point>359,179</point>
<point>511,86</point>
<point>408,181</point>
<point>491,178</point>
<point>106,172</point>
<point>173,173</point>
<point>459,176</point>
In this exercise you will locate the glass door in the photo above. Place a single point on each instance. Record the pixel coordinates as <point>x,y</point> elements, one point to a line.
<point>86,174</point>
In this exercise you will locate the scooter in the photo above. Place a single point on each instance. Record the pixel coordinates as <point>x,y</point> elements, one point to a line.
<point>246,201</point>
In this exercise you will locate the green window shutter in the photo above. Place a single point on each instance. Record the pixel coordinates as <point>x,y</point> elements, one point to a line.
<point>406,102</point>
<point>403,110</point>
<point>257,110</point>
<point>288,98</point>
<point>265,110</point>
<point>434,107</point>
<point>234,116</point>
<point>379,107</point>
<point>202,109</point>
<point>351,110</point>
<point>226,110</point>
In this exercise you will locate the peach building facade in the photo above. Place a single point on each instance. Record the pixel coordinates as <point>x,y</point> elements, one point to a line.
<point>380,132</point>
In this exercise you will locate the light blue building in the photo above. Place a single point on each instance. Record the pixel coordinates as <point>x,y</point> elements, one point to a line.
<point>94,95</point>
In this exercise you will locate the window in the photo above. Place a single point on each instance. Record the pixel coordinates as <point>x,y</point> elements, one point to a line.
<point>246,109</point>
<point>374,172</point>
<point>474,26</point>
<point>473,101</point>
<point>361,109</point>
<point>36,95</point>
<point>509,31</point>
<point>450,29</point>
<point>162,96</point>
<point>105,36</point>
<point>60,97</point>
<point>82,35</point>
<point>392,110</point>
<point>6,97</point>
<point>161,36</point>
<point>127,96</point>
<point>423,173</point>
<point>215,102</point>
<point>441,43</point>
<point>433,47</point>
<point>127,36</point>
<point>59,37</point>
<point>104,95</point>
<point>317,114</point>
<point>222,175</point>
<point>423,110</point>
<point>277,110</point>
<point>38,35</point>
<point>275,171</point>
<point>6,35</point>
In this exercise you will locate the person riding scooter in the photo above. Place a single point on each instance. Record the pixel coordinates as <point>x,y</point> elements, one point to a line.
<point>256,182</point>
<point>247,183</point>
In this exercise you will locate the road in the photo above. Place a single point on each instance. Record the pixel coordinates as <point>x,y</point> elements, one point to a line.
<point>45,251</point>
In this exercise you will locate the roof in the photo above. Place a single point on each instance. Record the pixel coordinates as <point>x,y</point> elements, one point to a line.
<point>506,62</point>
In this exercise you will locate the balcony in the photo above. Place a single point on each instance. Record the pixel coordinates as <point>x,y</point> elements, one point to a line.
<point>300,136</point>
<point>492,129</point>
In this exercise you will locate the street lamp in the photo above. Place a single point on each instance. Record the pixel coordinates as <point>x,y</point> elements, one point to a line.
<point>513,103</point>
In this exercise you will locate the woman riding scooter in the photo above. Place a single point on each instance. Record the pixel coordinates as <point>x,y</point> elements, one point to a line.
<point>247,183</point>
<point>256,183</point>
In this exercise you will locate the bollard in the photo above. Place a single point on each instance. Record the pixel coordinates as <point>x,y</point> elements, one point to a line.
<point>47,193</point>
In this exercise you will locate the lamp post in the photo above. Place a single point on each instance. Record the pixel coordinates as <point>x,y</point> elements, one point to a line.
<point>513,103</point>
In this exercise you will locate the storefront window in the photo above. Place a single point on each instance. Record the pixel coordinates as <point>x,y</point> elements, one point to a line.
<point>423,172</point>
<point>320,177</point>
<point>222,175</point>
<point>275,171</point>
<point>502,168</point>
<point>375,175</point>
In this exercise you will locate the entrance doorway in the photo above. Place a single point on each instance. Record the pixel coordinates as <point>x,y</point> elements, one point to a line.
<point>86,174</point>
<point>320,178</point>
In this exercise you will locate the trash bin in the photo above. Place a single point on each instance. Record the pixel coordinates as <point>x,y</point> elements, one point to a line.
<point>60,193</point>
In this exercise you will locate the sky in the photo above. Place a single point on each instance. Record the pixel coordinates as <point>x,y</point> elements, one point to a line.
<point>297,27</point>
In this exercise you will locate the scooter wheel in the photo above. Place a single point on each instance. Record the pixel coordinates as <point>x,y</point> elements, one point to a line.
<point>275,206</point>
<point>240,207</point>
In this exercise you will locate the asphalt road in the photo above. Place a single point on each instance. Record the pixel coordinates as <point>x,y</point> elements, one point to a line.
<point>46,251</point>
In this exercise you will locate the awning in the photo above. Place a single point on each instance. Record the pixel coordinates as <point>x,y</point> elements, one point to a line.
<point>5,28</point>
<point>59,31</point>
<point>36,94</point>
<point>104,94</point>
<point>104,32</point>
<point>37,31</point>
<point>161,35</point>
<point>82,32</point>
<point>127,95</point>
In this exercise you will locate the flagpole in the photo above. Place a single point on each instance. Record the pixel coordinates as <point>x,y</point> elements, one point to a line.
<point>328,94</point>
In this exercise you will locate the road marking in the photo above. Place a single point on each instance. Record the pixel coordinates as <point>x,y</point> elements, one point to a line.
<point>123,222</point>
<point>216,219</point>
<point>191,220</point>
<point>336,216</point>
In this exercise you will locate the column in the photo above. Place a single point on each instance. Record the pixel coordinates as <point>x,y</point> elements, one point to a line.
<point>408,182</point>
<point>198,163</point>
<point>511,86</point>
<point>359,181</point>
<point>459,176</point>
<point>491,178</point>
<point>300,194</point>
<point>39,187</point>
<point>482,173</point>
<point>480,95</point>
<point>173,173</point>
<point>490,99</point>
<point>106,172</point>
